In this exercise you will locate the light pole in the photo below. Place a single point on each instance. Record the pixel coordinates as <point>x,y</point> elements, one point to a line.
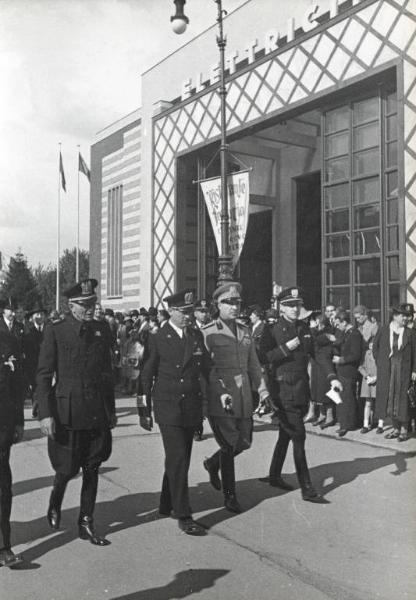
<point>179,23</point>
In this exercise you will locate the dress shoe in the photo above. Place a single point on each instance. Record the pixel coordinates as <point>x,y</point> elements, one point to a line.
<point>392,435</point>
<point>364,429</point>
<point>214,478</point>
<point>329,424</point>
<point>9,559</point>
<point>86,532</point>
<point>164,511</point>
<point>379,430</point>
<point>311,495</point>
<point>191,527</point>
<point>317,422</point>
<point>403,437</point>
<point>54,517</point>
<point>342,432</point>
<point>277,482</point>
<point>232,504</point>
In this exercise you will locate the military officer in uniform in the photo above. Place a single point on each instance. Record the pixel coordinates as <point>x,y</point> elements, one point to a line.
<point>11,432</point>
<point>75,394</point>
<point>235,372</point>
<point>171,375</point>
<point>289,355</point>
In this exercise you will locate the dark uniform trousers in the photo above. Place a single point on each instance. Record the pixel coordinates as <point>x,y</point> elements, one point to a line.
<point>233,437</point>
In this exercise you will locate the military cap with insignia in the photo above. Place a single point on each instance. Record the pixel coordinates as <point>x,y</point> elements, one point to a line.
<point>180,300</point>
<point>227,291</point>
<point>83,291</point>
<point>201,305</point>
<point>291,295</point>
<point>406,308</point>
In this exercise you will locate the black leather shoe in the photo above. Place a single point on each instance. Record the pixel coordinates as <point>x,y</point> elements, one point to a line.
<point>403,437</point>
<point>54,517</point>
<point>342,432</point>
<point>214,478</point>
<point>317,422</point>
<point>277,482</point>
<point>326,425</point>
<point>311,495</point>
<point>232,504</point>
<point>9,558</point>
<point>86,532</point>
<point>191,527</point>
<point>392,435</point>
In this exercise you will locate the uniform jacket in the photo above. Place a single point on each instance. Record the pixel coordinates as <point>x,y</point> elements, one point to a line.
<point>172,375</point>
<point>236,369</point>
<point>381,351</point>
<point>11,406</point>
<point>261,335</point>
<point>291,366</point>
<point>78,355</point>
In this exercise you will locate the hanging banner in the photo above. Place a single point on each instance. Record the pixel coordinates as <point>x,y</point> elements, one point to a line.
<point>238,202</point>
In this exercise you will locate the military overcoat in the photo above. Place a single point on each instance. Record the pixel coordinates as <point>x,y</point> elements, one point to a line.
<point>74,378</point>
<point>236,369</point>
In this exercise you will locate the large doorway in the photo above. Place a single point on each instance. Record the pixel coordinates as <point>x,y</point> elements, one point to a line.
<point>308,234</point>
<point>255,265</point>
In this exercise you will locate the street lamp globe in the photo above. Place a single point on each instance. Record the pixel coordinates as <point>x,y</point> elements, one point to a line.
<point>179,20</point>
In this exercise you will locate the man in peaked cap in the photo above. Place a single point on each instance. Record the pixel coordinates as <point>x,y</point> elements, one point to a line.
<point>236,370</point>
<point>77,414</point>
<point>177,358</point>
<point>291,346</point>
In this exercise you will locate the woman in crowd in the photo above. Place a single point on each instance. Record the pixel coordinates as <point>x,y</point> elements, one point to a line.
<point>368,370</point>
<point>394,349</point>
<point>350,347</point>
<point>321,364</point>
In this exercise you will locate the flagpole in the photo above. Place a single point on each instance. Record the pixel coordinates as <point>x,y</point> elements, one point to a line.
<point>77,248</point>
<point>58,232</point>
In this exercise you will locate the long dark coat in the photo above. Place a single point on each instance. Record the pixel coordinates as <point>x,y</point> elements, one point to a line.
<point>78,355</point>
<point>172,375</point>
<point>381,351</point>
<point>14,338</point>
<point>321,366</point>
<point>32,341</point>
<point>350,347</point>
<point>11,408</point>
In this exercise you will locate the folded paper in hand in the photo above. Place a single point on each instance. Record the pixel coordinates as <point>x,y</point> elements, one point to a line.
<point>334,395</point>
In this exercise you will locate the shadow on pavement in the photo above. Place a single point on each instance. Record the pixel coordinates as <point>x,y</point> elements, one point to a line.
<point>185,584</point>
<point>30,485</point>
<point>132,510</point>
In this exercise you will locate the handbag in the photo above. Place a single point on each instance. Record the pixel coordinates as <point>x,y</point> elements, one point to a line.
<point>411,394</point>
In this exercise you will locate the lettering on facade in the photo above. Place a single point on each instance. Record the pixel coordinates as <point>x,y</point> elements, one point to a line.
<point>271,42</point>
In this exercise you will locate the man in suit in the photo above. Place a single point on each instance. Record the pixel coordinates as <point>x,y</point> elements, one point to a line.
<point>78,411</point>
<point>32,341</point>
<point>236,371</point>
<point>11,432</point>
<point>177,358</point>
<point>289,355</point>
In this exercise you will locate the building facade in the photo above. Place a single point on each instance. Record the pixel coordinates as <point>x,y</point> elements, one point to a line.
<point>321,103</point>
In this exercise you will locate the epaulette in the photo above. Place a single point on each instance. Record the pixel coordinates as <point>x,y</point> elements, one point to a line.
<point>211,324</point>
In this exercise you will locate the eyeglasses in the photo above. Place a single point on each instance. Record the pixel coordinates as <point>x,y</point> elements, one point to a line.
<point>231,301</point>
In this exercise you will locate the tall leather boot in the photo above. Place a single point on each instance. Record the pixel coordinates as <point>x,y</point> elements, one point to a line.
<point>228,482</point>
<point>212,465</point>
<point>88,497</point>
<point>55,501</point>
<point>308,491</point>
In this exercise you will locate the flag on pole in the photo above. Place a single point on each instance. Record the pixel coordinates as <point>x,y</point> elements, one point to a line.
<point>82,167</point>
<point>61,171</point>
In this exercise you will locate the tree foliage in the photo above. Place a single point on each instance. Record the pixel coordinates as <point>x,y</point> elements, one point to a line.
<point>26,286</point>
<point>19,284</point>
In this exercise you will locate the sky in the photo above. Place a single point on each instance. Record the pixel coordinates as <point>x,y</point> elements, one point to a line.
<point>69,68</point>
